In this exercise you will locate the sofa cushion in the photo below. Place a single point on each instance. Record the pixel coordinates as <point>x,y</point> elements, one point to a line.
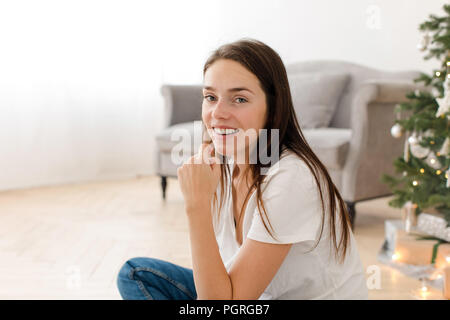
<point>315,96</point>
<point>331,145</point>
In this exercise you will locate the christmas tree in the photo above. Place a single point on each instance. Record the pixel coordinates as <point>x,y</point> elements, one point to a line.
<point>424,174</point>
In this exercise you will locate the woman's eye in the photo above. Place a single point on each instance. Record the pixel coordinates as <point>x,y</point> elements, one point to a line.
<point>240,100</point>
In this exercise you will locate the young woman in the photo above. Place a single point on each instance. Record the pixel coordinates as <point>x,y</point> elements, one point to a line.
<point>282,233</point>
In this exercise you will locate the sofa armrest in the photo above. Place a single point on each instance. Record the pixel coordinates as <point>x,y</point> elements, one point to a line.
<point>389,91</point>
<point>183,103</point>
<point>372,149</point>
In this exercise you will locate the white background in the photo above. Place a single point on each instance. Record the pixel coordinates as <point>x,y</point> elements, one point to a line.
<point>80,80</point>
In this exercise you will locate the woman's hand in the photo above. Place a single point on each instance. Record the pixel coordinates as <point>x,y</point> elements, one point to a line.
<point>198,178</point>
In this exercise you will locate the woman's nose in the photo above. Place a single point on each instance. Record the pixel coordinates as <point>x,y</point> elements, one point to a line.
<point>221,110</point>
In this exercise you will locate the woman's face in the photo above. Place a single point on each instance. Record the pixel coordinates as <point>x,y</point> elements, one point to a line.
<point>233,100</point>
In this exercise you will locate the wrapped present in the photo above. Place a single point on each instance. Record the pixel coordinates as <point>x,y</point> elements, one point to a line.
<point>443,256</point>
<point>409,216</point>
<point>433,224</point>
<point>447,282</point>
<point>410,248</point>
<point>390,233</point>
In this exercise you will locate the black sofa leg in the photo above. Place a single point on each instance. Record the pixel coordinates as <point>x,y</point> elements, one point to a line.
<point>351,212</point>
<point>164,186</point>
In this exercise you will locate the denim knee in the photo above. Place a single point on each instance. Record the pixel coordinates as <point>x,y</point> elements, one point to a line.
<point>127,270</point>
<point>135,284</point>
<point>125,279</point>
<point>124,272</point>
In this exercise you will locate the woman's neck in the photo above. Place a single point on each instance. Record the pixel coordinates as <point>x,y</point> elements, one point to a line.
<point>239,171</point>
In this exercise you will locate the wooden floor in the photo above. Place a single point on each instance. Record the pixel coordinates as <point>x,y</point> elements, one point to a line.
<point>68,242</point>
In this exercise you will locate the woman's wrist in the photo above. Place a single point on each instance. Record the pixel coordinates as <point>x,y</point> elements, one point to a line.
<point>195,209</point>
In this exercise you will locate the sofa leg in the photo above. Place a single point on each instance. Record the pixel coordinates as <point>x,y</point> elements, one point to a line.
<point>164,186</point>
<point>351,212</point>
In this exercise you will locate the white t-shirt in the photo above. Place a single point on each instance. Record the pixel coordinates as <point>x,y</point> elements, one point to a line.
<point>293,205</point>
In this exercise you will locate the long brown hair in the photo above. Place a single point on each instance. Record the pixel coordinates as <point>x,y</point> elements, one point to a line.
<point>268,67</point>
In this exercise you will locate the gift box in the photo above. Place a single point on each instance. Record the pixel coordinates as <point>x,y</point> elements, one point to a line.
<point>443,256</point>
<point>390,232</point>
<point>447,283</point>
<point>409,216</point>
<point>410,249</point>
<point>433,224</point>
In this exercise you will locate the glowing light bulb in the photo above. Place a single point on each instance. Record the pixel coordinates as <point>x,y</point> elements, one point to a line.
<point>422,292</point>
<point>424,287</point>
<point>438,172</point>
<point>422,170</point>
<point>438,74</point>
<point>415,183</point>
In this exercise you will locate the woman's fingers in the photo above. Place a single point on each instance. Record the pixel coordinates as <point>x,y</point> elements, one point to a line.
<point>204,152</point>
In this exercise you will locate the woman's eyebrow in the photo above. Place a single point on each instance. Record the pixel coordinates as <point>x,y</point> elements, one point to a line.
<point>230,90</point>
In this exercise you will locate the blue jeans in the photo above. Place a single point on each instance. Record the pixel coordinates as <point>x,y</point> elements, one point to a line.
<point>153,279</point>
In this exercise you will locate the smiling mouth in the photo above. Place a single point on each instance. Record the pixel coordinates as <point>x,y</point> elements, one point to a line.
<point>225,132</point>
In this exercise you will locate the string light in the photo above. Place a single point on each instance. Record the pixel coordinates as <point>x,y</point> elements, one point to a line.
<point>415,183</point>
<point>438,172</point>
<point>424,289</point>
<point>438,74</point>
<point>422,170</point>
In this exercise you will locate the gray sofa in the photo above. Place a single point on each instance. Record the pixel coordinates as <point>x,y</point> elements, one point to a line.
<point>356,147</point>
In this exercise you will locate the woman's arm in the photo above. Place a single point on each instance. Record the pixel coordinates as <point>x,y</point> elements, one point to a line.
<point>256,263</point>
<point>254,268</point>
<point>210,275</point>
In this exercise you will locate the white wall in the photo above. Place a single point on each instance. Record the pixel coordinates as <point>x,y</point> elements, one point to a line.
<point>79,80</point>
